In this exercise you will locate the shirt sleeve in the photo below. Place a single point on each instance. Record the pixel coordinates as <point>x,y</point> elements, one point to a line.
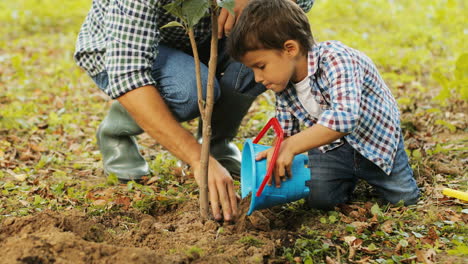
<point>132,45</point>
<point>306,5</point>
<point>287,120</point>
<point>344,77</point>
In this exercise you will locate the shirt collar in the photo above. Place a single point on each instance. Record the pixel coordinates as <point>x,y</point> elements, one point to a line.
<point>313,57</point>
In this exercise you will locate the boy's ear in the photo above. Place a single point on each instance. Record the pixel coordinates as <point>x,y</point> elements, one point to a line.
<point>291,47</point>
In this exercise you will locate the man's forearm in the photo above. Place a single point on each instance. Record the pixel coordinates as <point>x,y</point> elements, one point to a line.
<point>149,110</point>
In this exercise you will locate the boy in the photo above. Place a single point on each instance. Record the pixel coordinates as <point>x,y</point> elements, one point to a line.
<point>351,118</point>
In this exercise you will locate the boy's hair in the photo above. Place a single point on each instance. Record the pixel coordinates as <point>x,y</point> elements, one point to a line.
<point>267,24</point>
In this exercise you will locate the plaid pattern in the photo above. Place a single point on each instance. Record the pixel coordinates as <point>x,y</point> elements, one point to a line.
<point>355,100</point>
<point>121,37</point>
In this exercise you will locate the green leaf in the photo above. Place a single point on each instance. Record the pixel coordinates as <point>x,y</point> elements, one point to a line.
<point>461,249</point>
<point>404,101</point>
<point>417,154</point>
<point>372,247</point>
<point>175,8</point>
<point>130,186</point>
<point>172,24</point>
<point>227,4</point>
<point>446,124</point>
<point>308,260</point>
<point>350,228</point>
<point>403,242</point>
<point>461,67</point>
<point>433,110</point>
<point>194,10</point>
<point>445,83</point>
<point>375,210</point>
<point>112,179</point>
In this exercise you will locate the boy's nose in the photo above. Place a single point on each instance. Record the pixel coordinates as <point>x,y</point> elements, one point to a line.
<point>258,78</point>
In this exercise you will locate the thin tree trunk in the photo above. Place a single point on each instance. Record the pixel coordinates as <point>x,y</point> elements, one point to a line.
<point>209,108</point>
<point>206,109</point>
<point>196,57</point>
<point>205,152</point>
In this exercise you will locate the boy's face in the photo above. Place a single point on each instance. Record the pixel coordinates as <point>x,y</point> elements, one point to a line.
<point>275,68</point>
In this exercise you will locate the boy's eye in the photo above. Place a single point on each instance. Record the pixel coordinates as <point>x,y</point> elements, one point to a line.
<point>261,67</point>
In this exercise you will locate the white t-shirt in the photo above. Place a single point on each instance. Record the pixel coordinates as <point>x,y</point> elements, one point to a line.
<point>306,98</point>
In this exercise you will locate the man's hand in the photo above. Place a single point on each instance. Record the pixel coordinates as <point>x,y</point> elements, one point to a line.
<point>221,190</point>
<point>149,110</point>
<point>283,165</point>
<point>226,20</point>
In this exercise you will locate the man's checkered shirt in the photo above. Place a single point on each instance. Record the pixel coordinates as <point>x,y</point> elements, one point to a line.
<point>355,100</point>
<point>121,38</point>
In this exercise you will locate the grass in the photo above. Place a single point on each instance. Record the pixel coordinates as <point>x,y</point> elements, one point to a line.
<point>49,110</point>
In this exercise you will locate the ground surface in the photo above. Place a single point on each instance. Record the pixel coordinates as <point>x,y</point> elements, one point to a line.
<point>56,206</point>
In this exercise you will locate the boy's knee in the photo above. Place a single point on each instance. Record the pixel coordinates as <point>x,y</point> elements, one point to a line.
<point>320,203</point>
<point>323,200</point>
<point>408,198</point>
<point>325,195</point>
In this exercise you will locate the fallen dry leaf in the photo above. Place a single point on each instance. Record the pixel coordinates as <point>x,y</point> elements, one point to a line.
<point>100,202</point>
<point>36,147</point>
<point>124,201</point>
<point>152,180</point>
<point>431,236</point>
<point>387,226</point>
<point>354,244</point>
<point>345,219</point>
<point>363,260</point>
<point>426,256</point>
<point>360,226</point>
<point>20,177</point>
<point>329,260</point>
<point>445,169</point>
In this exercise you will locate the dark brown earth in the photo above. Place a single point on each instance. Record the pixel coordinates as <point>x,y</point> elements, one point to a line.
<point>174,235</point>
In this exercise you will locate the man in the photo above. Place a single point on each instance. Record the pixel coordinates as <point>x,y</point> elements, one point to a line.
<point>150,73</point>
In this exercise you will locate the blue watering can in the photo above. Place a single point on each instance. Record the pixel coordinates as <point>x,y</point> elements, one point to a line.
<point>255,174</point>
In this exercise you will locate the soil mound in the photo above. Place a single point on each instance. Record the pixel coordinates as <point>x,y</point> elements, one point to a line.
<point>173,236</point>
<point>50,237</point>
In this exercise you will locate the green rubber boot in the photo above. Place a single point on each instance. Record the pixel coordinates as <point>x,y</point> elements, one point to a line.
<point>228,113</point>
<point>118,146</point>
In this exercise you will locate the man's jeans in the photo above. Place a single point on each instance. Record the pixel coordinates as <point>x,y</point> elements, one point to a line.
<point>334,175</point>
<point>174,72</point>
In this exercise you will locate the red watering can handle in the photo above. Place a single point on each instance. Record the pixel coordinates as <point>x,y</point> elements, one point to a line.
<point>279,139</point>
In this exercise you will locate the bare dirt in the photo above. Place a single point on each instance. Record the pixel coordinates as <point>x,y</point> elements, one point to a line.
<point>174,235</point>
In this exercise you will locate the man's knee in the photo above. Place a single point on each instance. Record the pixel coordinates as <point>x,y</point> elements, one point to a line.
<point>184,101</point>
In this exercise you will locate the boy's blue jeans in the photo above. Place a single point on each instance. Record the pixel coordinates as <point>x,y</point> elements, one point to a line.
<point>334,175</point>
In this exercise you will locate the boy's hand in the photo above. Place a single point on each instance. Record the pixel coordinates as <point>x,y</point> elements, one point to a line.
<point>226,20</point>
<point>283,165</point>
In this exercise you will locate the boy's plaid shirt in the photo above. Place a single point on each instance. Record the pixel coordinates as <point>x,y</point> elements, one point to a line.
<point>121,38</point>
<point>354,99</point>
